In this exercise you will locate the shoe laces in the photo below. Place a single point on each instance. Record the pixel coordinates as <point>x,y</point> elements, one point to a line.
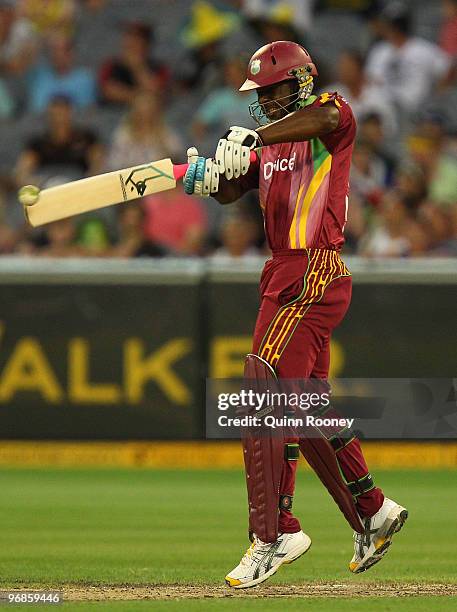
<point>250,555</point>
<point>363,540</point>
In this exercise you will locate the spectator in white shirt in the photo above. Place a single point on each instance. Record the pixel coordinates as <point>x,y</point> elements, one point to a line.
<point>407,67</point>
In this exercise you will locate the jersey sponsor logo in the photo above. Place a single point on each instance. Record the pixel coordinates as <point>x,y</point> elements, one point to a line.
<point>280,165</point>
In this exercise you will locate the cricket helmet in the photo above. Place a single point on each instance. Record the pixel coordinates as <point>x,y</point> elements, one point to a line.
<point>278,61</point>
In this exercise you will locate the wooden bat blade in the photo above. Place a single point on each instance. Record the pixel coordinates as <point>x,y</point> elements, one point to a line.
<point>99,191</point>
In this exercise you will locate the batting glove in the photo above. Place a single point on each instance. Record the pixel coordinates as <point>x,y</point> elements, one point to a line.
<point>202,176</point>
<point>233,151</point>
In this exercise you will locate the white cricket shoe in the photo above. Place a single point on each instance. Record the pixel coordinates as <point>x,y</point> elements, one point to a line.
<point>371,546</point>
<point>262,560</point>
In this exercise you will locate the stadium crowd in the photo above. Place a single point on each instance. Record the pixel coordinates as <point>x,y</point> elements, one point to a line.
<point>89,86</point>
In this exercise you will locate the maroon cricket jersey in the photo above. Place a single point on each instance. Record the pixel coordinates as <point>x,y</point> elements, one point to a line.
<point>303,186</point>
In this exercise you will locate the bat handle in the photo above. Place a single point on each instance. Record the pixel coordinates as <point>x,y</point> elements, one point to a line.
<point>179,170</point>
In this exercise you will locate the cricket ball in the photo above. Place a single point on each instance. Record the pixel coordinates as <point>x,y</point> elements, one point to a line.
<point>28,195</point>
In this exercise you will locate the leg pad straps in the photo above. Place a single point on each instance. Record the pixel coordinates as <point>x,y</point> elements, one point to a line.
<point>361,486</point>
<point>291,452</point>
<point>339,442</point>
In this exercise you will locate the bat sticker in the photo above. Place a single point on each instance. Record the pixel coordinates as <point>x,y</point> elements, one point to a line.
<point>138,178</point>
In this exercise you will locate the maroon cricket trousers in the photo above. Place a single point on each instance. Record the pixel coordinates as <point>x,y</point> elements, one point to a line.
<point>305,294</point>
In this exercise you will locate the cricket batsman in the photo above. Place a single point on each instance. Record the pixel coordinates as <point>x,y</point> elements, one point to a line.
<point>304,146</point>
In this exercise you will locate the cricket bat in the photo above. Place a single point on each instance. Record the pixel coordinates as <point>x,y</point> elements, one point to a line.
<point>98,191</point>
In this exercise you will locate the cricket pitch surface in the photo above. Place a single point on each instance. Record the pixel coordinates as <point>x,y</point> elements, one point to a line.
<point>315,590</point>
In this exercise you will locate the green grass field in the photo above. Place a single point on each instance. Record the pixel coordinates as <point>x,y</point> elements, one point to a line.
<point>134,528</point>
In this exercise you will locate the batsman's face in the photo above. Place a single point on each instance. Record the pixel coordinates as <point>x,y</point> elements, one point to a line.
<point>278,100</point>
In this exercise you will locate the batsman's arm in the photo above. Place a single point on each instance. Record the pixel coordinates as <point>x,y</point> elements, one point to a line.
<point>234,146</point>
<point>303,124</point>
